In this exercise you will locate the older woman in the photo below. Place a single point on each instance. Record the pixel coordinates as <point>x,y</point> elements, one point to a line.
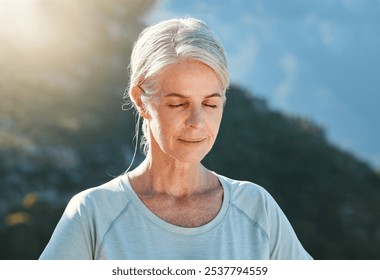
<point>171,206</point>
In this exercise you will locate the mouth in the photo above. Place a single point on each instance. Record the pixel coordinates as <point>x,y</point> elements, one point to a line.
<point>192,140</point>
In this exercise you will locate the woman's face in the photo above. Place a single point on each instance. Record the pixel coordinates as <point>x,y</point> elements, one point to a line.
<point>185,115</point>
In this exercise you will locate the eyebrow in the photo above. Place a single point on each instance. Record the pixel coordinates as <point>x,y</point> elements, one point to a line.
<point>186,96</point>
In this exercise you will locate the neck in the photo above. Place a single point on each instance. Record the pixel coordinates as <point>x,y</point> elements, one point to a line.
<point>168,176</point>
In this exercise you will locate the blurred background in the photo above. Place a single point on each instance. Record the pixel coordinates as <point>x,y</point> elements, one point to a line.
<point>301,117</point>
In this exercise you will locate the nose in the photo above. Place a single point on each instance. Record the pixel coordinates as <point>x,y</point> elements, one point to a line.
<point>195,117</point>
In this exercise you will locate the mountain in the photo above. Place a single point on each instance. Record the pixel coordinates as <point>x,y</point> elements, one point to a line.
<point>318,59</point>
<point>330,197</point>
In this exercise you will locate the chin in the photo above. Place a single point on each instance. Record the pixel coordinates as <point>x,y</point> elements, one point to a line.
<point>188,154</point>
<point>194,157</point>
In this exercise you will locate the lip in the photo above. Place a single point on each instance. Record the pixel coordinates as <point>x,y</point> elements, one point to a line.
<point>192,140</point>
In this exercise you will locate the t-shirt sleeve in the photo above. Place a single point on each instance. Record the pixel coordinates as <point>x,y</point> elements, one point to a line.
<point>283,241</point>
<point>73,237</point>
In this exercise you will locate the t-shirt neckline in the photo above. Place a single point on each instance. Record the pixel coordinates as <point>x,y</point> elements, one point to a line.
<point>146,212</point>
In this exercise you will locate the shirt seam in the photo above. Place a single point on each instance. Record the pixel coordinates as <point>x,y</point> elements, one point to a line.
<point>106,234</point>
<point>250,220</point>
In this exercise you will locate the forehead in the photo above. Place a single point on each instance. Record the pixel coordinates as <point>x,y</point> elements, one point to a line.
<point>188,78</point>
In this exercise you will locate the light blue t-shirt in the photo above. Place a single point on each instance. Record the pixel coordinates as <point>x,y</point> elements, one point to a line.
<point>111,222</point>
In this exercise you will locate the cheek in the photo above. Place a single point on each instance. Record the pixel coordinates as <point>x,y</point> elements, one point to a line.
<point>162,126</point>
<point>215,123</point>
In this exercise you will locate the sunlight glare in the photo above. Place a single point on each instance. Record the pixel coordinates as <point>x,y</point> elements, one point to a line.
<point>24,22</point>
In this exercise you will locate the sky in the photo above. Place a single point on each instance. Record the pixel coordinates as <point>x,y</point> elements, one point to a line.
<point>319,59</point>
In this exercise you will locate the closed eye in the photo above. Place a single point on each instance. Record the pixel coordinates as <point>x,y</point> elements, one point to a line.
<point>184,104</point>
<point>211,106</point>
<point>176,105</point>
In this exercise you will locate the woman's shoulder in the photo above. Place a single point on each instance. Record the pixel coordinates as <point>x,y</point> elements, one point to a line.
<point>249,197</point>
<point>243,187</point>
<point>110,195</point>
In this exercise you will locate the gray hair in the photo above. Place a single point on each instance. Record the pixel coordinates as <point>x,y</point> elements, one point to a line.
<point>167,43</point>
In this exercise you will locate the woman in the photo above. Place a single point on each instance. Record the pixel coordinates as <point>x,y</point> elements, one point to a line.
<point>171,206</point>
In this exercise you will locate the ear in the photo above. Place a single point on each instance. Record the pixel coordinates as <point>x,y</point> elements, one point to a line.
<point>136,93</point>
